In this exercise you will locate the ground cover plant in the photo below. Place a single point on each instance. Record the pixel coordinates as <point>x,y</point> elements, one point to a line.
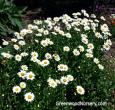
<point>57,59</point>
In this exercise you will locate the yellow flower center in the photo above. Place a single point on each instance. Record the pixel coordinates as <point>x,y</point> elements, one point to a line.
<point>64,80</point>
<point>22,74</point>
<point>79,90</point>
<point>17,89</point>
<point>34,54</point>
<point>45,62</point>
<point>29,97</point>
<point>30,76</point>
<point>61,67</point>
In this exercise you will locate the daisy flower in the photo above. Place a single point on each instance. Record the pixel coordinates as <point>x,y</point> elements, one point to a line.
<point>62,67</point>
<point>90,46</point>
<point>57,81</point>
<point>46,32</point>
<point>18,57</point>
<point>22,43</point>
<point>52,83</point>
<point>89,55</point>
<point>45,63</point>
<point>44,43</point>
<point>30,76</point>
<point>96,60</point>
<point>68,35</point>
<point>98,35</point>
<point>24,54</point>
<point>34,54</point>
<point>70,77</point>
<point>34,59</point>
<point>23,32</point>
<point>6,55</point>
<point>89,51</point>
<point>49,41</point>
<point>48,56</point>
<point>22,85</point>
<point>22,74</point>
<point>29,97</point>
<point>30,26</point>
<point>5,42</point>
<point>38,62</point>
<point>66,49</point>
<point>16,89</point>
<point>80,90</point>
<point>106,47</point>
<point>16,47</point>
<point>85,40</point>
<point>56,57</point>
<point>81,48</point>
<point>64,80</point>
<point>24,67</point>
<point>104,28</point>
<point>101,67</point>
<point>14,40</point>
<point>76,52</point>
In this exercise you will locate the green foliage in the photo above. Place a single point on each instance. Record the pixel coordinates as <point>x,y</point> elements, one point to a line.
<point>10,17</point>
<point>95,80</point>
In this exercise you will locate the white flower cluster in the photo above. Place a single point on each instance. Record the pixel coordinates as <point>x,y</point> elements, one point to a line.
<point>107,44</point>
<point>40,43</point>
<point>24,74</point>
<point>5,42</point>
<point>6,55</point>
<point>56,57</point>
<point>43,63</point>
<point>62,67</point>
<point>46,42</point>
<point>64,80</point>
<point>96,61</point>
<point>29,97</point>
<point>18,57</point>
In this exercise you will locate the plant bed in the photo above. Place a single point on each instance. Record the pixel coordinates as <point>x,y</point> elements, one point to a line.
<point>56,60</point>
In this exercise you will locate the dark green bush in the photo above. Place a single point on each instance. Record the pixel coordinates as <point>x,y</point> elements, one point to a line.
<point>10,17</point>
<point>76,43</point>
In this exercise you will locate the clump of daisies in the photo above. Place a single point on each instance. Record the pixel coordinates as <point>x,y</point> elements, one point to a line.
<point>56,53</point>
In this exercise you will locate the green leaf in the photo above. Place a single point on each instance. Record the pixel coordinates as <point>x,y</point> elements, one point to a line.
<point>17,22</point>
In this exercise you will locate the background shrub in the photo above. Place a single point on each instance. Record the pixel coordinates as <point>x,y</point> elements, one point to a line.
<point>10,18</point>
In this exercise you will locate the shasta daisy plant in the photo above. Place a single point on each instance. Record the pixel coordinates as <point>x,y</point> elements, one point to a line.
<point>53,56</point>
